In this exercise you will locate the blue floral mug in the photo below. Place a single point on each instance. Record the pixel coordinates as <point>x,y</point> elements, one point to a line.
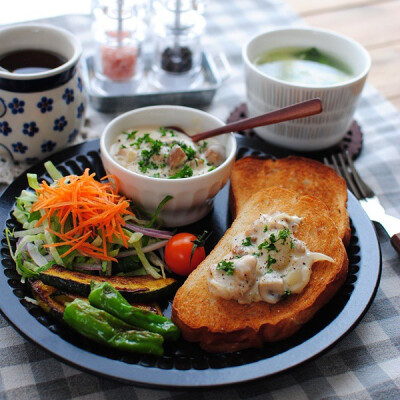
<point>41,112</point>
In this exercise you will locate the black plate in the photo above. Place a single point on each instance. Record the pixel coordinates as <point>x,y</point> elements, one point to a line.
<point>186,364</point>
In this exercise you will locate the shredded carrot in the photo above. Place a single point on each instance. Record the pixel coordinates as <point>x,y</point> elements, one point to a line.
<point>94,208</point>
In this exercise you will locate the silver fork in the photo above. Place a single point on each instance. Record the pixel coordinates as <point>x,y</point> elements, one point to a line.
<point>343,165</point>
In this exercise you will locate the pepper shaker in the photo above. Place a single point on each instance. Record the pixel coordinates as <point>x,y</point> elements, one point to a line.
<point>177,58</point>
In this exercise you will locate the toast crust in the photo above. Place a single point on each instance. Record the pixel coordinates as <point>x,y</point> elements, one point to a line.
<point>224,325</point>
<point>302,175</point>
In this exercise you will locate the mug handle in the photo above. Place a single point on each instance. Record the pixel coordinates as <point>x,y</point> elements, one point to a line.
<point>3,110</point>
<point>5,151</point>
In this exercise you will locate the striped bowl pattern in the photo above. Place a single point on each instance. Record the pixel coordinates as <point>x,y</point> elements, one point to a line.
<point>266,94</point>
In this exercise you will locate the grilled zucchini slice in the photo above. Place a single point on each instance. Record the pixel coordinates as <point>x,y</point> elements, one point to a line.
<point>136,288</point>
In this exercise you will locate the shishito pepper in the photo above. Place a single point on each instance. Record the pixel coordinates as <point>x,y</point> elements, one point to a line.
<point>106,297</point>
<point>106,329</point>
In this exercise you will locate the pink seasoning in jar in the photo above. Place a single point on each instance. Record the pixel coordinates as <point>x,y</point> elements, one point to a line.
<point>119,63</point>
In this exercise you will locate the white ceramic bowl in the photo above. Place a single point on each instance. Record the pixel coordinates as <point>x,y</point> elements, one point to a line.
<point>192,197</point>
<point>266,93</point>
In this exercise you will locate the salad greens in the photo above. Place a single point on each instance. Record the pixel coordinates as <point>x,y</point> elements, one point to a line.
<point>38,246</point>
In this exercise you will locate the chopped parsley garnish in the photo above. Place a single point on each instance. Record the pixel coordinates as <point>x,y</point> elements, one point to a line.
<point>145,138</point>
<point>269,245</point>
<point>188,150</point>
<point>162,130</point>
<point>172,133</point>
<point>247,241</point>
<point>269,271</point>
<point>156,146</point>
<point>123,146</point>
<point>292,246</point>
<point>256,254</point>
<point>157,175</point>
<point>211,169</point>
<point>202,146</point>
<point>226,266</point>
<point>287,292</point>
<point>265,228</point>
<point>145,163</point>
<point>270,261</point>
<point>130,135</point>
<point>237,256</point>
<point>284,234</point>
<point>185,172</point>
<point>273,238</point>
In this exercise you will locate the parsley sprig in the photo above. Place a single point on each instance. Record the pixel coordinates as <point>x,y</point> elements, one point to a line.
<point>226,266</point>
<point>269,245</point>
<point>145,138</point>
<point>188,150</point>
<point>283,235</point>
<point>202,147</point>
<point>185,172</point>
<point>270,261</point>
<point>130,135</point>
<point>145,163</point>
<point>247,241</point>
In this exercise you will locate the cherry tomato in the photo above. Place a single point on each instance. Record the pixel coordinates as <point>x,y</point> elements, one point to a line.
<point>178,252</point>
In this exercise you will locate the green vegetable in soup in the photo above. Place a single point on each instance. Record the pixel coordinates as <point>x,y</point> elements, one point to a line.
<point>304,66</point>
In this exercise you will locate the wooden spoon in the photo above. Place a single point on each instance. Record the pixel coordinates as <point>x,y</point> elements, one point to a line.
<point>299,110</point>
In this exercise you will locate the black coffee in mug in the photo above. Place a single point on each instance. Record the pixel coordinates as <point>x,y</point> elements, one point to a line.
<point>40,112</point>
<point>31,61</point>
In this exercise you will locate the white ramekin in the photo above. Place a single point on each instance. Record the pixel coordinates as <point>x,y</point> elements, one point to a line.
<point>265,93</point>
<point>192,197</point>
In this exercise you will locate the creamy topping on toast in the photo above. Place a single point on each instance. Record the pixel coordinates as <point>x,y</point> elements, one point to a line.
<point>267,262</point>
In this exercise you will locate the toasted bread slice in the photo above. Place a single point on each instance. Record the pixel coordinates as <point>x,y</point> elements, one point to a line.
<point>225,325</point>
<point>304,176</point>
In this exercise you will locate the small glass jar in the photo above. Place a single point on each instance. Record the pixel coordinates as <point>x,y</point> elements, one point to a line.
<point>178,52</point>
<point>118,51</point>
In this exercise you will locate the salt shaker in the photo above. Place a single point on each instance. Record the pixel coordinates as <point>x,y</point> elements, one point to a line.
<point>118,51</point>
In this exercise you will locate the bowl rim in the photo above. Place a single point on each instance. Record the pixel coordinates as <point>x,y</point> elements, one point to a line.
<point>71,62</point>
<point>333,34</point>
<point>105,153</point>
